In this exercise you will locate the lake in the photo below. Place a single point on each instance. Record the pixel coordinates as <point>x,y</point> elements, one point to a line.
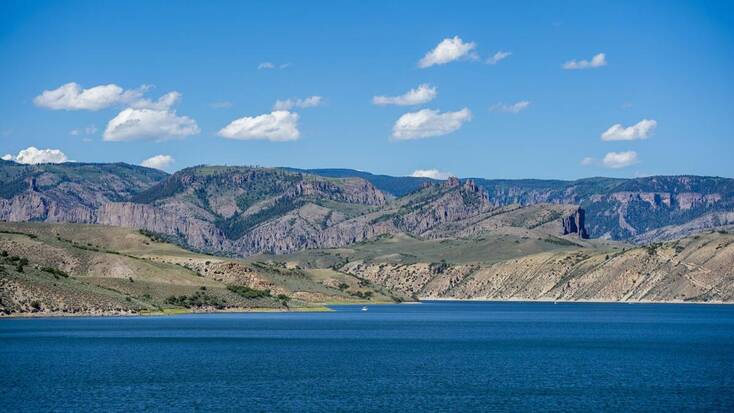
<point>435,356</point>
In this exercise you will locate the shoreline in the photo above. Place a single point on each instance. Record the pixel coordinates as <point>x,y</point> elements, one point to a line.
<point>585,301</point>
<point>315,308</point>
<point>325,308</point>
<point>167,313</point>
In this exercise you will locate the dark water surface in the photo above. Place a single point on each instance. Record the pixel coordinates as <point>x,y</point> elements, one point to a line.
<point>427,357</point>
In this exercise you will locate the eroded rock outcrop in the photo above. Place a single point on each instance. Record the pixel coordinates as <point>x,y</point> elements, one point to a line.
<point>575,224</point>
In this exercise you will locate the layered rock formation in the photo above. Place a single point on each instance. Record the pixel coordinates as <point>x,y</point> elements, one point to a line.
<point>620,209</point>
<point>246,210</point>
<point>575,224</point>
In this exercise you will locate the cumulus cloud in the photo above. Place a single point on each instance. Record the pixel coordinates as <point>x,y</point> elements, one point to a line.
<point>72,96</point>
<point>641,130</point>
<point>277,126</point>
<point>424,93</point>
<point>618,160</point>
<point>288,104</point>
<point>33,155</point>
<point>598,60</point>
<point>448,50</point>
<point>498,57</point>
<point>158,162</point>
<point>428,122</point>
<point>163,103</point>
<point>516,107</point>
<point>132,124</point>
<point>430,173</point>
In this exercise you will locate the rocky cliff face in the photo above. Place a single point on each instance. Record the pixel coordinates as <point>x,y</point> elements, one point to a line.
<point>244,210</point>
<point>67,192</point>
<point>620,209</point>
<point>575,224</point>
<point>623,209</point>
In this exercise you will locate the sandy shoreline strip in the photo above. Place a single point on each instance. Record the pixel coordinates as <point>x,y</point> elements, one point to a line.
<point>326,308</point>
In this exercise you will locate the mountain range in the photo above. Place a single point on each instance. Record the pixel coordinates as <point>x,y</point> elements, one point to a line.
<point>229,237</point>
<point>242,211</point>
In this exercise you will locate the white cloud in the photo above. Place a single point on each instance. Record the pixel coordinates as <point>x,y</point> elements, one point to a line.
<point>33,155</point>
<point>163,103</point>
<point>498,57</point>
<point>158,162</point>
<point>617,160</point>
<point>278,126</point>
<point>430,173</point>
<point>598,60</point>
<point>271,66</point>
<point>424,93</point>
<point>288,104</point>
<point>71,96</point>
<point>641,130</point>
<point>131,124</point>
<point>516,107</point>
<point>588,161</point>
<point>428,122</point>
<point>89,130</point>
<point>448,50</point>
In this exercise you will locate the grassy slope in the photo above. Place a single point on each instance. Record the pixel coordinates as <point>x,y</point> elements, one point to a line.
<point>487,248</point>
<point>114,269</point>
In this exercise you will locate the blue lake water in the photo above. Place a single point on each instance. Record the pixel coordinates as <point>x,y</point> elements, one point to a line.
<point>429,357</point>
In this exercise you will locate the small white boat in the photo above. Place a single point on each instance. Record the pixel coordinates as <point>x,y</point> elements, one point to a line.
<point>364,308</point>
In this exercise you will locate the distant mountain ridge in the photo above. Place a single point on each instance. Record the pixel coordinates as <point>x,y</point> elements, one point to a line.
<point>616,208</point>
<point>239,210</point>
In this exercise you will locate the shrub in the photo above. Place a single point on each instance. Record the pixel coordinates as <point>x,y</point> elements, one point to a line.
<point>363,295</point>
<point>55,271</point>
<point>247,292</point>
<point>198,299</point>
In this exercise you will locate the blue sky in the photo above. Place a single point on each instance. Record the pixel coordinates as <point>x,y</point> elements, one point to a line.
<point>665,77</point>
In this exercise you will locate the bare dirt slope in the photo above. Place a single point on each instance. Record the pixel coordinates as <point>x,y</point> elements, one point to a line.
<point>693,269</point>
